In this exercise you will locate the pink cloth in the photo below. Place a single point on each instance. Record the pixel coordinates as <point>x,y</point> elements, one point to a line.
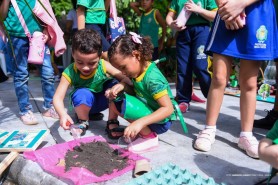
<point>48,18</point>
<point>49,157</point>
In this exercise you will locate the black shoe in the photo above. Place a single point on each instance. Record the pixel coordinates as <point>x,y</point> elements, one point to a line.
<point>92,117</point>
<point>96,116</point>
<point>268,121</point>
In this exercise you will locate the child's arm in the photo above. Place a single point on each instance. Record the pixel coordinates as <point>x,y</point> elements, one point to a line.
<point>163,25</point>
<point>80,11</point>
<point>268,152</point>
<point>124,84</point>
<point>135,6</point>
<point>207,14</point>
<point>165,110</point>
<point>58,102</point>
<point>230,9</point>
<point>4,8</point>
<point>107,5</point>
<point>171,22</point>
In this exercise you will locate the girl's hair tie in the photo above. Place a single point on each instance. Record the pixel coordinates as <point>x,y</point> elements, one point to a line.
<point>135,37</point>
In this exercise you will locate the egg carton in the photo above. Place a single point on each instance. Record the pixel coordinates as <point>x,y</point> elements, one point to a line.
<point>171,174</point>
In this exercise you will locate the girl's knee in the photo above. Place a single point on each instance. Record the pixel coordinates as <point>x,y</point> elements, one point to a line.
<point>219,80</point>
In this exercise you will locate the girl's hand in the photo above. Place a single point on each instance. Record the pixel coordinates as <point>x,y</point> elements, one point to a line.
<point>237,23</point>
<point>231,9</point>
<point>113,92</point>
<point>66,121</point>
<point>133,129</point>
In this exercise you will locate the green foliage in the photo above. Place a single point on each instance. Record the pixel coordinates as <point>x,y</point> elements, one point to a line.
<point>61,7</point>
<point>132,21</point>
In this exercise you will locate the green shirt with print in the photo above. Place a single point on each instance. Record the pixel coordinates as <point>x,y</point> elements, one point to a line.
<point>94,82</point>
<point>95,11</point>
<point>12,22</point>
<point>195,19</point>
<point>152,85</point>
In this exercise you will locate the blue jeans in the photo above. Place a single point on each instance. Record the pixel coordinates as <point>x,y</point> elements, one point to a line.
<point>21,75</point>
<point>3,47</point>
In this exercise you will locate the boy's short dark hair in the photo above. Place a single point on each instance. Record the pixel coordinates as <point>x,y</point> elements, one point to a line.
<point>87,41</point>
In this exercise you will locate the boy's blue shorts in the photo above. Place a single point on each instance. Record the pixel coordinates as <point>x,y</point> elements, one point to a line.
<point>97,101</point>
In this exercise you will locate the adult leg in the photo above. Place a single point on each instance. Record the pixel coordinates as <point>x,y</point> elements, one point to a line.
<point>21,77</point>
<point>221,73</point>
<point>248,87</point>
<point>47,80</point>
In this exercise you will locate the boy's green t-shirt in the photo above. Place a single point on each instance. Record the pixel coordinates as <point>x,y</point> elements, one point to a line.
<point>94,82</point>
<point>12,22</point>
<point>177,5</point>
<point>95,11</point>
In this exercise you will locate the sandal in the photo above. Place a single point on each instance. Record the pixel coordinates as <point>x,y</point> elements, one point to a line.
<point>114,130</point>
<point>83,126</point>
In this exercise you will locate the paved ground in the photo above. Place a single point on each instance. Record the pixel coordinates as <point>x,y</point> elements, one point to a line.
<point>225,162</point>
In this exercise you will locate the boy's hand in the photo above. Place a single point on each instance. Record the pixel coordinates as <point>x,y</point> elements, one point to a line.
<point>192,7</point>
<point>133,129</point>
<point>66,121</point>
<point>174,25</point>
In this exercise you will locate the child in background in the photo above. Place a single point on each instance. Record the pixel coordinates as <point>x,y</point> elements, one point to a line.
<point>89,76</point>
<point>20,48</point>
<point>91,14</point>
<point>252,43</point>
<point>148,106</point>
<point>190,45</point>
<point>268,148</point>
<point>151,19</point>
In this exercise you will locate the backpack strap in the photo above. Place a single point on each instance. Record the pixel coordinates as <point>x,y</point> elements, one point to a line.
<point>113,13</point>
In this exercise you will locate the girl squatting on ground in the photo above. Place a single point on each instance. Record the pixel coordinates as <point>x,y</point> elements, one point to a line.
<point>148,104</point>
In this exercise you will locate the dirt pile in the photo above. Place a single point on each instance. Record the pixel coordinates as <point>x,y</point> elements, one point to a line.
<point>97,157</point>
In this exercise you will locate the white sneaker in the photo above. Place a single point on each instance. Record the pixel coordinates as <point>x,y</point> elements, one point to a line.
<point>250,145</point>
<point>204,140</point>
<point>29,118</point>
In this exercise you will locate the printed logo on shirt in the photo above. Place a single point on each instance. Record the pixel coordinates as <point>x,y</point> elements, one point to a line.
<point>200,51</point>
<point>261,35</point>
<point>149,20</point>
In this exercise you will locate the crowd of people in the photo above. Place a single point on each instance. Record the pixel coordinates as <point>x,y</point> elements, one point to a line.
<point>123,73</point>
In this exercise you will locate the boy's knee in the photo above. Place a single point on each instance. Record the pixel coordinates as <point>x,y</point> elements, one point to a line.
<point>82,96</point>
